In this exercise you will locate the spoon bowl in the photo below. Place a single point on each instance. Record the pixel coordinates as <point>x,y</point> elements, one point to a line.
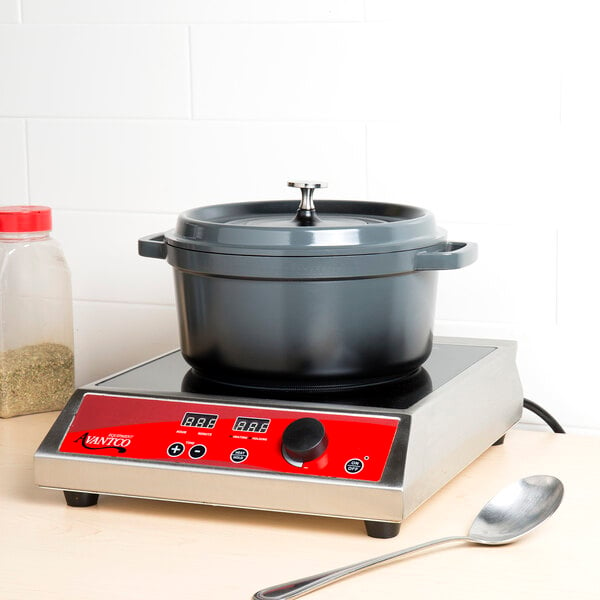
<point>510,514</point>
<point>516,510</point>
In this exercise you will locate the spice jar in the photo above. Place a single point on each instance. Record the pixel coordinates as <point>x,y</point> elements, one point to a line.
<point>36,314</point>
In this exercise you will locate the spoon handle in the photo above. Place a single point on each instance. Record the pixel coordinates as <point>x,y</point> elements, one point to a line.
<point>298,587</point>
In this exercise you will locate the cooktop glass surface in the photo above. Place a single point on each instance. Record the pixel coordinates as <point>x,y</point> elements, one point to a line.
<point>172,374</point>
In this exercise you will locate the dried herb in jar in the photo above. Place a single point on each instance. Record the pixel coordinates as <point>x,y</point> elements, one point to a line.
<point>36,378</point>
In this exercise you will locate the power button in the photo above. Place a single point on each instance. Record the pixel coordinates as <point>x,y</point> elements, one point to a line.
<point>354,466</point>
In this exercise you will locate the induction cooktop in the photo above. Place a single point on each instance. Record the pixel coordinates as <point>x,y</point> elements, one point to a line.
<point>159,430</point>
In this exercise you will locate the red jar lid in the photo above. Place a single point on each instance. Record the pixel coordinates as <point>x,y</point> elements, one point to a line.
<point>21,219</point>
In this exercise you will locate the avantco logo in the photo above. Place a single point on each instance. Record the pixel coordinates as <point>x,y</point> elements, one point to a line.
<point>98,442</point>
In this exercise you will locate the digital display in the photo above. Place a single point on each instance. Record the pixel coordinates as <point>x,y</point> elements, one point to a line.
<point>251,425</point>
<point>199,420</point>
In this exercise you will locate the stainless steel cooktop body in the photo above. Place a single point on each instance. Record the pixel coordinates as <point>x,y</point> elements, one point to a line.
<point>147,432</point>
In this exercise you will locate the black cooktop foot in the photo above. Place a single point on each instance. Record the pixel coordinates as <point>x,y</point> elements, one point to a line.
<point>377,529</point>
<point>81,499</point>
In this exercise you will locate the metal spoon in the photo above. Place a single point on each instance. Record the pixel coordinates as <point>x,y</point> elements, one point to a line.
<point>511,513</point>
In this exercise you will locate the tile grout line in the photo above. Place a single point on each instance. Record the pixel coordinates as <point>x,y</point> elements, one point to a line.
<point>181,119</point>
<point>557,279</point>
<point>191,70</point>
<point>174,24</point>
<point>113,211</point>
<point>27,165</point>
<point>367,187</point>
<point>84,300</point>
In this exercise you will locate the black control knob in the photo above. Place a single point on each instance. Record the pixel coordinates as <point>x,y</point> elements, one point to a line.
<point>304,440</point>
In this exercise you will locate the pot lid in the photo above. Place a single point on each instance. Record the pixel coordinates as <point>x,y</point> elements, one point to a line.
<point>284,228</point>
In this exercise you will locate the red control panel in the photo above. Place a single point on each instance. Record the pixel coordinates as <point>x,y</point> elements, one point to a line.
<point>225,435</point>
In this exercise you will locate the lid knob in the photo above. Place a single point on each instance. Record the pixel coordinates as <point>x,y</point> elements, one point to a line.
<point>306,213</point>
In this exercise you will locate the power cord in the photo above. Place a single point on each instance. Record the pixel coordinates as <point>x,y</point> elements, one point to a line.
<point>544,415</point>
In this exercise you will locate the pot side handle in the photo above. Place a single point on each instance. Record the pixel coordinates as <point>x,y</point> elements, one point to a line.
<point>153,246</point>
<point>454,255</point>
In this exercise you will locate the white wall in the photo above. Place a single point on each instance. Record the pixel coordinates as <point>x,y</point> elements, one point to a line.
<point>121,113</point>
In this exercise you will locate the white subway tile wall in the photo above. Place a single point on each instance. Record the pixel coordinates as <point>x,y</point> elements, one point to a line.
<point>103,258</point>
<point>9,11</point>
<point>120,114</point>
<point>190,11</point>
<point>13,162</point>
<point>111,336</point>
<point>168,166</point>
<point>94,71</point>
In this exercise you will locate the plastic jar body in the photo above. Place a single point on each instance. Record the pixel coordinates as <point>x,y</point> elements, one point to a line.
<point>36,324</point>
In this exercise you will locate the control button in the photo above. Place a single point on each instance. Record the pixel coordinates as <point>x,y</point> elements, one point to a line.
<point>175,449</point>
<point>197,451</point>
<point>353,466</point>
<point>303,440</point>
<point>239,455</point>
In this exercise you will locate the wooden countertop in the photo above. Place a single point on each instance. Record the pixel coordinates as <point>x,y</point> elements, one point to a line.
<point>131,549</point>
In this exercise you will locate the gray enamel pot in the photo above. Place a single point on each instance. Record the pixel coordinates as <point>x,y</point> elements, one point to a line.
<point>270,295</point>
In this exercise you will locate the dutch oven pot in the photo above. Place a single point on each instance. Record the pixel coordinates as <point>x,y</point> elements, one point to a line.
<point>271,294</point>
